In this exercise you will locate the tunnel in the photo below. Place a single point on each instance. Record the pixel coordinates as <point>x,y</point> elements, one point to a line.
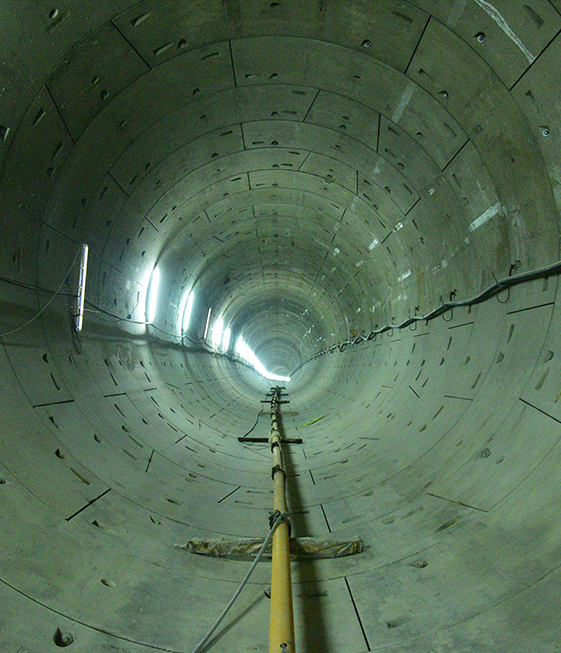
<point>356,200</point>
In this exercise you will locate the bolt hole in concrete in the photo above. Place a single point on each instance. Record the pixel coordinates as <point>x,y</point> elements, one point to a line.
<point>108,583</point>
<point>62,639</point>
<point>419,564</point>
<point>394,623</point>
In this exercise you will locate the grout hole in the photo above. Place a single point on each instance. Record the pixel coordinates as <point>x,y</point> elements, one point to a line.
<point>62,639</point>
<point>418,564</point>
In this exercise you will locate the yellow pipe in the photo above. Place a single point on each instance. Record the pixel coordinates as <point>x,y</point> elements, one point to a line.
<point>281,634</point>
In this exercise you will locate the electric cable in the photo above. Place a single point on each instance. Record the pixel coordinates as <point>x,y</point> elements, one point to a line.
<point>55,295</point>
<point>117,318</point>
<point>279,518</point>
<point>28,286</point>
<point>487,293</point>
<point>253,427</point>
<point>484,295</point>
<point>198,343</point>
<point>254,449</point>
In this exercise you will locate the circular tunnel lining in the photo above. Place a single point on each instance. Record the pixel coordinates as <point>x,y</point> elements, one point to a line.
<point>309,173</point>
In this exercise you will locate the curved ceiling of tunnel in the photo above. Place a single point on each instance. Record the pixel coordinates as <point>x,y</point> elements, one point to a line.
<point>362,169</point>
<point>308,168</point>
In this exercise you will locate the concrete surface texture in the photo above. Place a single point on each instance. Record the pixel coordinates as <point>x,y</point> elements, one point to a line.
<point>309,171</point>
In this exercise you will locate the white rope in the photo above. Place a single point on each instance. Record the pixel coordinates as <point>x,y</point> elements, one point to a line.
<point>205,639</point>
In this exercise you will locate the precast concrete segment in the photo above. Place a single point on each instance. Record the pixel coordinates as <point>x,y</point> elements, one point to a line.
<point>310,170</point>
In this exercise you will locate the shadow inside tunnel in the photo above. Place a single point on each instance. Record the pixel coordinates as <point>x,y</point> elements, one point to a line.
<point>308,592</point>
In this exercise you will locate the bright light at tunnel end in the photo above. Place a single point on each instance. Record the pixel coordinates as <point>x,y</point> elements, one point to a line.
<point>244,351</point>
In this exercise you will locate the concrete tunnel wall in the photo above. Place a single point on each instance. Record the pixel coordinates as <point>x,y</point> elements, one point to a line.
<point>308,169</point>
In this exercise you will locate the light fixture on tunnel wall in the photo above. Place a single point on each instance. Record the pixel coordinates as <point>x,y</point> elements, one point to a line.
<point>216,336</point>
<point>185,312</point>
<point>226,339</point>
<point>82,288</point>
<point>152,297</point>
<point>207,323</point>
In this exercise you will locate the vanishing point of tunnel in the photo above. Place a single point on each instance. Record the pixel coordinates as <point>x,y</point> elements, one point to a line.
<point>256,183</point>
